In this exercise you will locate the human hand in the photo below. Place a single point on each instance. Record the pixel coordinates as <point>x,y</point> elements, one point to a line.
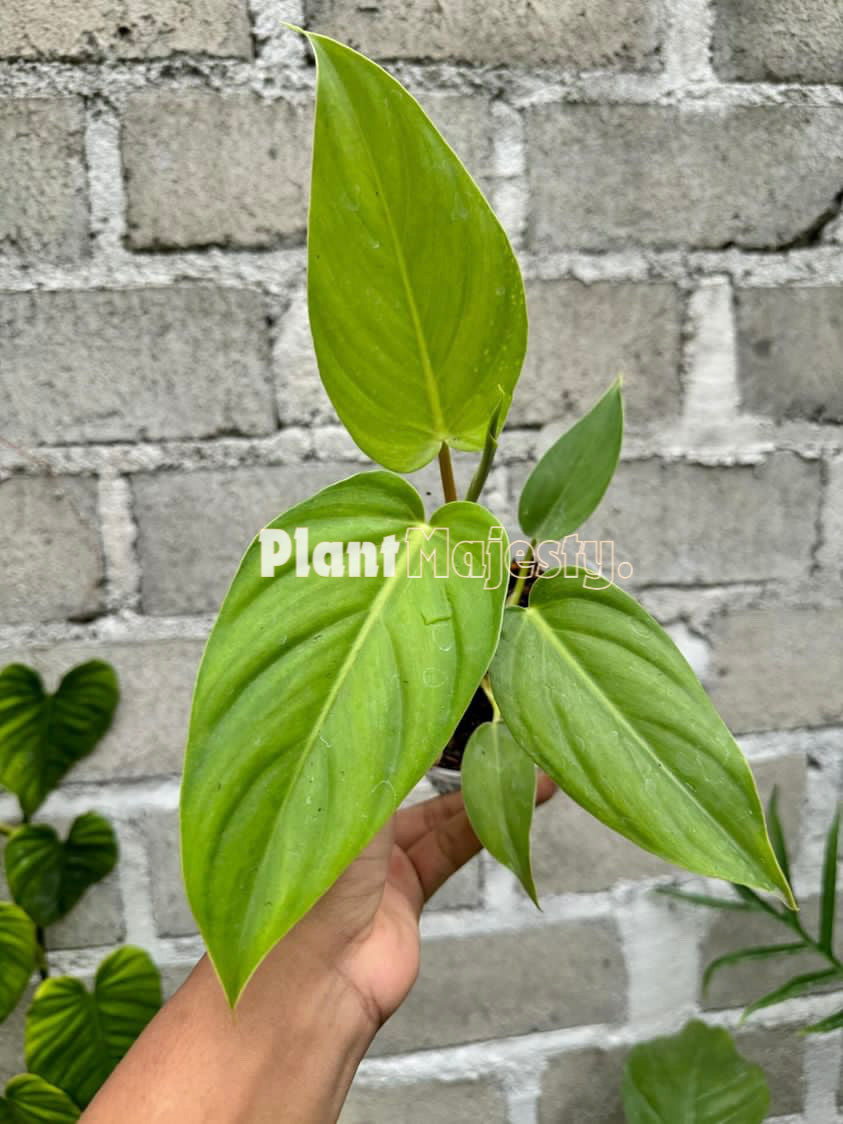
<point>366,927</point>
<point>312,1007</point>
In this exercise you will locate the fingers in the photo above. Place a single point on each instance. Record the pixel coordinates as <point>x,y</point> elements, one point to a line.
<point>545,788</point>
<point>441,852</point>
<point>416,821</point>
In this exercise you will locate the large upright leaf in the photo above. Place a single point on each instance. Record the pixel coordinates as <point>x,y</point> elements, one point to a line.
<point>694,1077</point>
<point>320,702</point>
<point>572,477</point>
<point>18,947</point>
<point>499,789</point>
<point>30,1099</point>
<point>416,301</point>
<point>75,1038</point>
<point>47,877</point>
<point>42,735</point>
<point>602,699</point>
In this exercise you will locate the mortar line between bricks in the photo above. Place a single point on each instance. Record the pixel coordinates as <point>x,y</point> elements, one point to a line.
<point>273,76</point>
<point>688,44</point>
<point>748,440</point>
<point>118,533</point>
<point>280,271</point>
<point>510,1053</point>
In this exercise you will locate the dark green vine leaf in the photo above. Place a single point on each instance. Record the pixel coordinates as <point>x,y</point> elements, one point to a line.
<point>415,297</point>
<point>571,479</point>
<point>828,896</point>
<point>601,698</point>
<point>29,1099</point>
<point>41,735</point>
<point>694,1077</point>
<point>499,790</point>
<point>761,952</point>
<point>799,985</point>
<point>75,1038</point>
<point>320,702</point>
<point>18,946</point>
<point>46,876</point>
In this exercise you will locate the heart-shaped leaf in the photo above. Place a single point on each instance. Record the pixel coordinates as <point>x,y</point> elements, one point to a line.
<point>41,735</point>
<point>499,789</point>
<point>416,301</point>
<point>602,699</point>
<point>18,949</point>
<point>320,702</point>
<point>694,1077</point>
<point>29,1099</point>
<point>75,1038</point>
<point>47,877</point>
<point>571,479</point>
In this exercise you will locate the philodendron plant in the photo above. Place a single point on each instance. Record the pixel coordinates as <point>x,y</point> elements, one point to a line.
<point>358,630</point>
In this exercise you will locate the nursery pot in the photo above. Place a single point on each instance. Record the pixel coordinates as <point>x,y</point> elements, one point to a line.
<point>445,774</point>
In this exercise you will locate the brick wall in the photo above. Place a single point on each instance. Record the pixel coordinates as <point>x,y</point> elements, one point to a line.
<point>671,173</point>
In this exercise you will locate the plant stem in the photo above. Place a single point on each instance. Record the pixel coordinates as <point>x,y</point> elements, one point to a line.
<point>41,954</point>
<point>484,468</point>
<point>525,570</point>
<point>486,684</point>
<point>446,470</point>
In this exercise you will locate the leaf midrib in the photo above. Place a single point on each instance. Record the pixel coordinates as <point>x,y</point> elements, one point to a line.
<point>373,616</point>
<point>595,689</point>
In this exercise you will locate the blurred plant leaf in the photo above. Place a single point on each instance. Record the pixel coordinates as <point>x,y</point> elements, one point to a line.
<point>75,1038</point>
<point>415,297</point>
<point>571,479</point>
<point>828,896</point>
<point>791,990</point>
<point>29,1099</point>
<point>827,1025</point>
<point>601,698</point>
<point>18,953</point>
<point>774,825</point>
<point>761,952</point>
<point>42,735</point>
<point>694,1077</point>
<point>46,876</point>
<point>499,790</point>
<point>704,899</point>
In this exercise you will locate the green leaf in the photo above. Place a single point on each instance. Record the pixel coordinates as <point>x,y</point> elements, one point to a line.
<point>826,1025</point>
<point>18,947</point>
<point>319,703</point>
<point>571,479</point>
<point>601,698</point>
<point>75,1038</point>
<point>694,1077</point>
<point>41,735</point>
<point>415,298</point>
<point>29,1099</point>
<point>761,952</point>
<point>499,790</point>
<point>47,877</point>
<point>791,990</point>
<point>829,885</point>
<point>703,899</point>
<point>777,833</point>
